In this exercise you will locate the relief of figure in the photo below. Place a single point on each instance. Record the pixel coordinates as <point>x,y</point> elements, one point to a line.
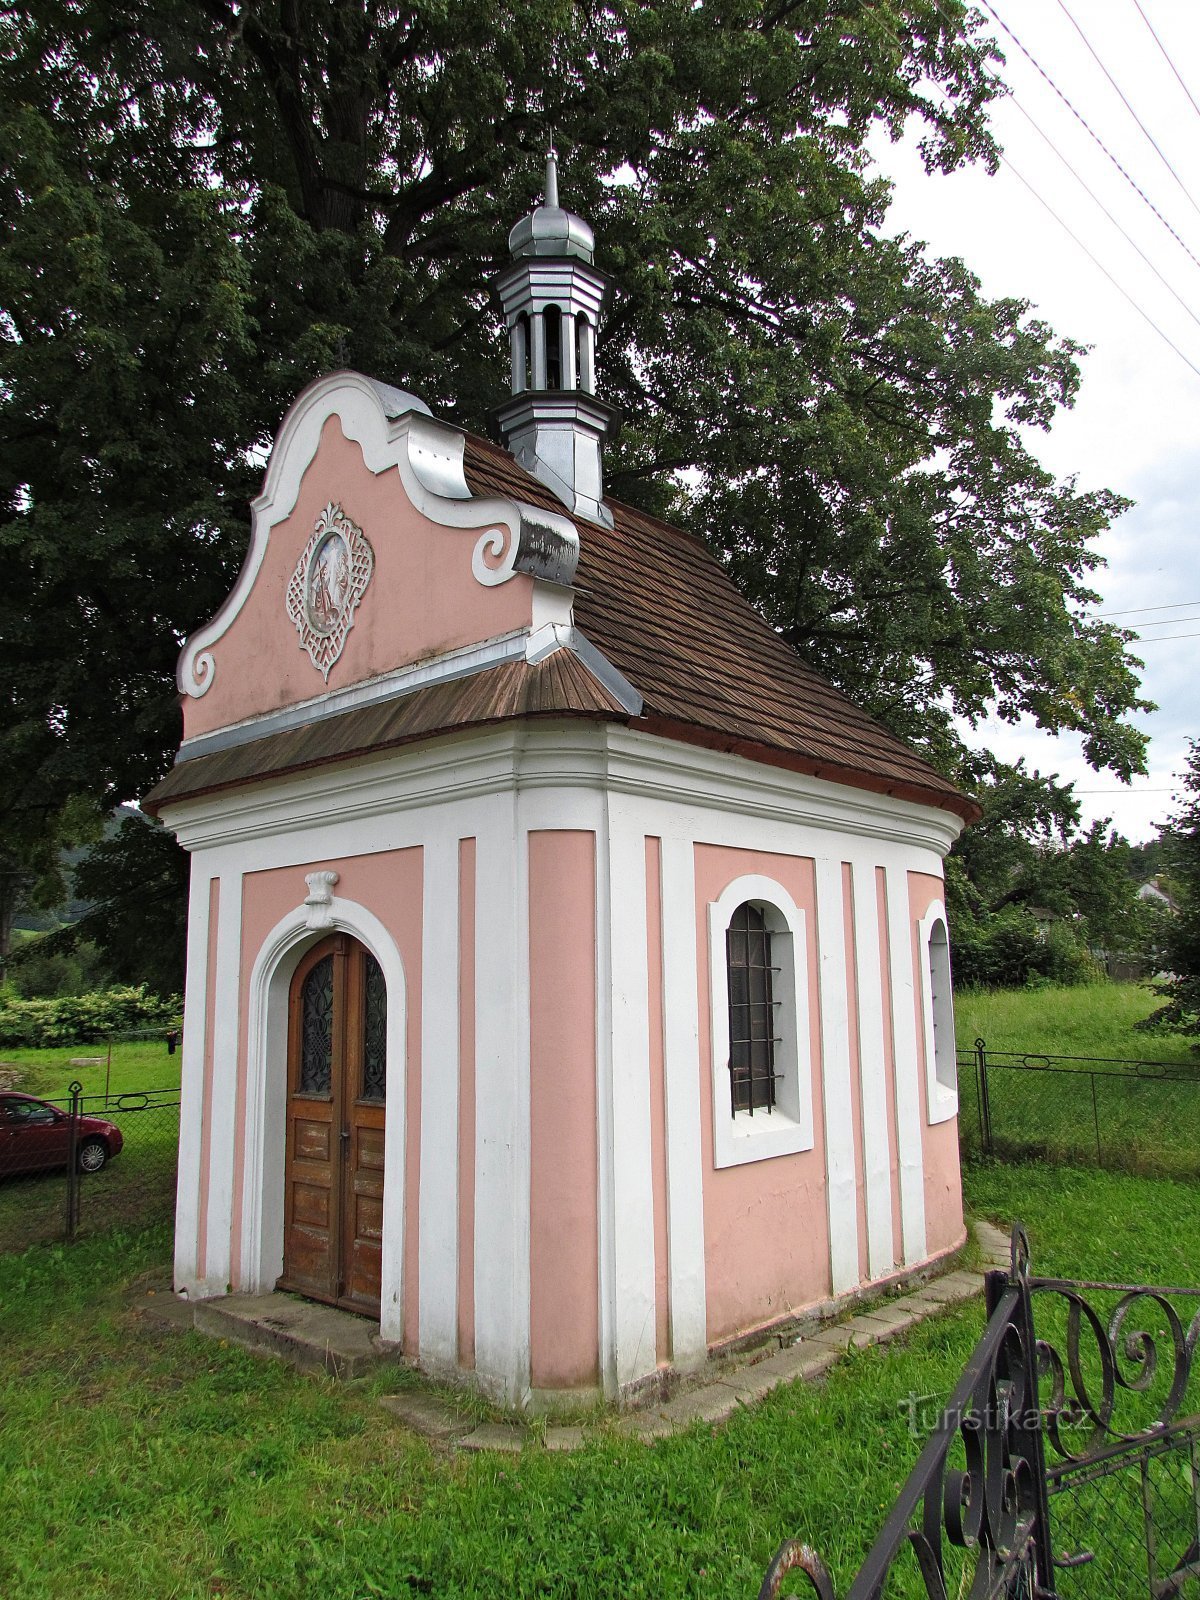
<point>329,583</point>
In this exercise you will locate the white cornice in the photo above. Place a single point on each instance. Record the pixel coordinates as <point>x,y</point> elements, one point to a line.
<point>393,429</point>
<point>565,755</point>
<point>648,764</point>
<point>389,686</point>
<point>533,646</point>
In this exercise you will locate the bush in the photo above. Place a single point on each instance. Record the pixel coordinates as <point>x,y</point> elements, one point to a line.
<point>38,973</point>
<point>80,1019</point>
<point>1009,950</point>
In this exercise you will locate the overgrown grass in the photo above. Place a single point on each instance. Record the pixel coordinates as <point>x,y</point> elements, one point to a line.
<point>140,1064</point>
<point>145,1462</point>
<point>1094,1019</point>
<point>135,1189</point>
<point>1125,1119</point>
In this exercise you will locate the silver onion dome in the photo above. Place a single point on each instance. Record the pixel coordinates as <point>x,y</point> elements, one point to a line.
<point>549,230</point>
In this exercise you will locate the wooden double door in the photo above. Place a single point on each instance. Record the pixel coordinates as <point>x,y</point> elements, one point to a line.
<point>337,1081</point>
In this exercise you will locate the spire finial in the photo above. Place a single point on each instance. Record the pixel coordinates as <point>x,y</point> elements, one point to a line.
<point>552,176</point>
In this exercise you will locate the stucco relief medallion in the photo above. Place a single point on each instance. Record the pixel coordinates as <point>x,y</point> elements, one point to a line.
<point>330,579</point>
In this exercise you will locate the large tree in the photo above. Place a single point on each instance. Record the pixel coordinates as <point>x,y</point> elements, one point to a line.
<point>1180,988</point>
<point>205,203</point>
<point>1030,891</point>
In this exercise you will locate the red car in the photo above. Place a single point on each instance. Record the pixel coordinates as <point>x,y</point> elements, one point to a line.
<point>35,1136</point>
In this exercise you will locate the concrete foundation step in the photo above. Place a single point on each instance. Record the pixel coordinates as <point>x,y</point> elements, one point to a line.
<point>311,1336</point>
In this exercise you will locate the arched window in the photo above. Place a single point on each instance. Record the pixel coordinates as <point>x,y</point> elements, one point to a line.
<point>941,1062</point>
<point>554,361</point>
<point>585,339</point>
<point>522,354</point>
<point>752,1008</point>
<point>762,1093</point>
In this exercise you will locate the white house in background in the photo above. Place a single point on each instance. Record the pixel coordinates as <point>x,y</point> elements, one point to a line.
<point>568,984</point>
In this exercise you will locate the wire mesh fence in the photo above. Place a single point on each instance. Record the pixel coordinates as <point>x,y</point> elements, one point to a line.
<point>85,1163</point>
<point>1124,1114</point>
<point>1127,1522</point>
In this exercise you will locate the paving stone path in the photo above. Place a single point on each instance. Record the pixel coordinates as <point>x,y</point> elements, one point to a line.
<point>715,1395</point>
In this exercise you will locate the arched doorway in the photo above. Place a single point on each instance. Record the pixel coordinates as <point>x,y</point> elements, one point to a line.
<point>333,1171</point>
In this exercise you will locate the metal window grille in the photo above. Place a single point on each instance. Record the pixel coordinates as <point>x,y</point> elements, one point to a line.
<point>316,1028</point>
<point>752,1008</point>
<point>374,1084</point>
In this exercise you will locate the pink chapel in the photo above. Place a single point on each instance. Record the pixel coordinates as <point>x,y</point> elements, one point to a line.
<point>568,985</point>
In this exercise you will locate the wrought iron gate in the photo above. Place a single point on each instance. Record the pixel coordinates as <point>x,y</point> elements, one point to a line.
<point>1066,1464</point>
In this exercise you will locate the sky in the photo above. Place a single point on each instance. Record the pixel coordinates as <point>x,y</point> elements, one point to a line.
<point>1135,427</point>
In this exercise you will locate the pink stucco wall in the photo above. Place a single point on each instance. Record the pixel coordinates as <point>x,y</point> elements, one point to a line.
<point>422,598</point>
<point>564,1231</point>
<point>766,1223</point>
<point>943,1172</point>
<point>388,884</point>
<point>466,1103</point>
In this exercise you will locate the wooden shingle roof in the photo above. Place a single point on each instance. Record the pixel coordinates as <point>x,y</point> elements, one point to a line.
<point>657,604</point>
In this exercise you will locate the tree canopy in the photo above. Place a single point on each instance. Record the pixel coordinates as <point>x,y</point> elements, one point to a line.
<point>1033,894</point>
<point>1181,941</point>
<point>204,204</point>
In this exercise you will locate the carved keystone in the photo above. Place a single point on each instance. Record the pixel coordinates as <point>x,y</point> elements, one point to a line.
<point>319,898</point>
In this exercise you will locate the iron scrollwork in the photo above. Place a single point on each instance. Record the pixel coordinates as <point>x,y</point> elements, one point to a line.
<point>374,1072</point>
<point>991,1508</point>
<point>1142,1347</point>
<point>316,1030</point>
<point>975,1513</point>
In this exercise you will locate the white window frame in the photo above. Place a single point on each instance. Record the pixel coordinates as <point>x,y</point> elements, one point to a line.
<point>740,1136</point>
<point>937,996</point>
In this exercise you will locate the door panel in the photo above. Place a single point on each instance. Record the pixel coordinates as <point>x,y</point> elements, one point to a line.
<point>364,1209</point>
<point>333,1210</point>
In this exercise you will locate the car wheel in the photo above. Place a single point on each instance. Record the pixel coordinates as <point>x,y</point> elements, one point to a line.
<point>93,1153</point>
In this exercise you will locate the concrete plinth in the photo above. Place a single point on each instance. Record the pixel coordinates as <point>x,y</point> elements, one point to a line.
<point>311,1336</point>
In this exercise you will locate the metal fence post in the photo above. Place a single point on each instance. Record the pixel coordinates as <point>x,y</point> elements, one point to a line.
<point>73,1115</point>
<point>1030,1426</point>
<point>985,1104</point>
<point>1096,1121</point>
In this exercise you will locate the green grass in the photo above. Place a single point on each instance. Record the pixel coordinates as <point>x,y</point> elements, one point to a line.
<point>131,1191</point>
<point>138,1461</point>
<point>1094,1019</point>
<point>1132,1122</point>
<point>134,1189</point>
<point>141,1064</point>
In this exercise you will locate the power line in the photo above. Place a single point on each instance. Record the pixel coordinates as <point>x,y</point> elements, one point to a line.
<point>1128,237</point>
<point>1135,611</point>
<point>1166,57</point>
<point>1124,293</point>
<point>1079,117</point>
<point>1158,148</point>
<point>1166,638</point>
<point>1096,262</point>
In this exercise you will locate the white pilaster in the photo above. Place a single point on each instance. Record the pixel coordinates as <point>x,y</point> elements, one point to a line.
<point>877,1158</point>
<point>191,1091</point>
<point>438,1209</point>
<point>681,1048</point>
<point>225,1053</point>
<point>501,1105</point>
<point>623,1084</point>
<point>835,1058</point>
<point>908,1091</point>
